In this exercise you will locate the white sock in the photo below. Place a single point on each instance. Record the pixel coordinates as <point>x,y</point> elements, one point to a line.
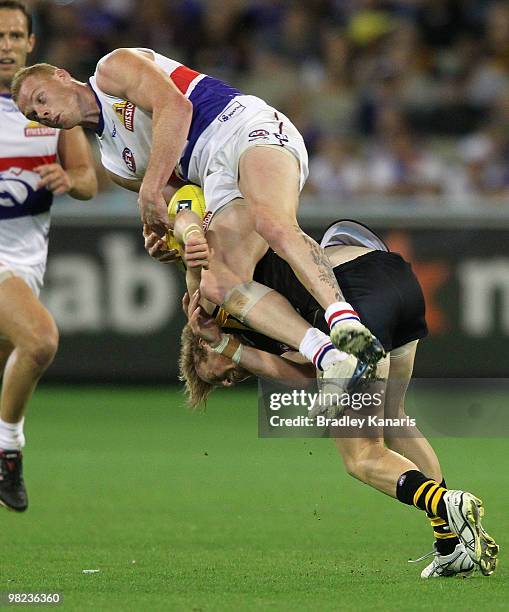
<point>340,311</point>
<point>11,435</point>
<point>317,348</point>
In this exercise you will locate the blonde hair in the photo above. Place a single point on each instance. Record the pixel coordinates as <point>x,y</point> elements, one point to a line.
<point>191,353</point>
<point>44,69</point>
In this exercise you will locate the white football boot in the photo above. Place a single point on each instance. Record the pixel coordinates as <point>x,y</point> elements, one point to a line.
<point>465,512</point>
<point>340,377</point>
<point>458,563</point>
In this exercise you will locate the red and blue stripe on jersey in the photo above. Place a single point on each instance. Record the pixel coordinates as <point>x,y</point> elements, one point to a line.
<point>209,97</point>
<point>18,197</point>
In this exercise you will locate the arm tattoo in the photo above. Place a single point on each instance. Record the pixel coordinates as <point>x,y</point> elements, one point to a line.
<point>326,275</point>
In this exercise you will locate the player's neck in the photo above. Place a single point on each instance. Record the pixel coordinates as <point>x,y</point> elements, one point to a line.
<point>90,109</point>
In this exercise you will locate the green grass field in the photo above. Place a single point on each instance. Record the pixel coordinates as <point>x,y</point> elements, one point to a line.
<point>181,511</point>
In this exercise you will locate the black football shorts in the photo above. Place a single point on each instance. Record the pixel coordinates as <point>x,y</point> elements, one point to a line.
<point>385,292</point>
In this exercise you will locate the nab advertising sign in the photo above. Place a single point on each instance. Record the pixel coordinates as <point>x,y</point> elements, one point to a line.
<point>119,312</point>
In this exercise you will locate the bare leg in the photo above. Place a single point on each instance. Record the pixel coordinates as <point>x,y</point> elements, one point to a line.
<point>269,181</point>
<point>412,443</point>
<point>237,248</point>
<point>368,459</point>
<point>6,349</point>
<point>32,332</point>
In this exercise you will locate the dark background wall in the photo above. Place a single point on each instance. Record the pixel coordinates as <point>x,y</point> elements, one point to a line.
<point>120,317</point>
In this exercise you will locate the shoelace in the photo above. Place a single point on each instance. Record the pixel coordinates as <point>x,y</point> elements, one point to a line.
<point>431,553</point>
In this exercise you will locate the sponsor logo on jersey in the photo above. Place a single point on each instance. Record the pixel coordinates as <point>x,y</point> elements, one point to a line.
<point>257,134</point>
<point>114,131</point>
<point>128,157</point>
<point>184,205</point>
<point>206,221</point>
<point>232,109</point>
<point>32,128</point>
<point>125,111</point>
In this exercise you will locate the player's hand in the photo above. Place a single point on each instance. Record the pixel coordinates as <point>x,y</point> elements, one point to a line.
<point>54,178</point>
<point>201,324</point>
<point>157,248</point>
<point>197,251</point>
<point>153,211</point>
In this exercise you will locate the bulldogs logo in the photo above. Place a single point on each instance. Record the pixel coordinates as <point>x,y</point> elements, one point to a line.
<point>128,157</point>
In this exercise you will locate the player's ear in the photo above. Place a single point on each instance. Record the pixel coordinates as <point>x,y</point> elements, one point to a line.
<point>63,75</point>
<point>202,342</point>
<point>31,43</point>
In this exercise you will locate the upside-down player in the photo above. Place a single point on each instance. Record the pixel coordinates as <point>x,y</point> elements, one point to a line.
<point>383,288</point>
<point>36,162</point>
<point>153,117</point>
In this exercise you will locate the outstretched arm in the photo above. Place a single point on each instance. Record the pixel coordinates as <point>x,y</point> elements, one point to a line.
<point>133,76</point>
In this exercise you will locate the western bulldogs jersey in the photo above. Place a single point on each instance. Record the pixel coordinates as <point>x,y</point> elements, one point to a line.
<point>24,209</point>
<point>125,131</point>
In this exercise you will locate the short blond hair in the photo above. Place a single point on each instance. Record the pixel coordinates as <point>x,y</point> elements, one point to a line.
<point>44,69</point>
<point>191,353</point>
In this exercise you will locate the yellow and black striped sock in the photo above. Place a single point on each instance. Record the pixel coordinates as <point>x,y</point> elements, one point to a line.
<point>416,489</point>
<point>445,539</point>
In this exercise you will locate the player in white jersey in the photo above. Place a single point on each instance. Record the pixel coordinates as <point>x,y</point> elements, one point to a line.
<point>156,119</point>
<point>36,162</point>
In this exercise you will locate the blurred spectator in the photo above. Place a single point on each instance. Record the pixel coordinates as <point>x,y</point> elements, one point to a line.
<point>399,164</point>
<point>490,77</point>
<point>335,171</point>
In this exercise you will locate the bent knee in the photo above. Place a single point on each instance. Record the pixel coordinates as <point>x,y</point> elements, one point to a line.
<point>354,467</point>
<point>362,464</point>
<point>212,289</point>
<point>41,346</point>
<point>277,233</point>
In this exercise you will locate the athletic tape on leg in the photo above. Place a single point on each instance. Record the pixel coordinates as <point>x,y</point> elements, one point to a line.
<point>242,298</point>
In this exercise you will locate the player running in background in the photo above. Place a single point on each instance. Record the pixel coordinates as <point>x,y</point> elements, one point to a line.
<point>36,162</point>
<point>154,117</point>
<point>400,463</point>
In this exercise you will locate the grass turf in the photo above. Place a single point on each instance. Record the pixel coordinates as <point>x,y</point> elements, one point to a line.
<point>181,511</point>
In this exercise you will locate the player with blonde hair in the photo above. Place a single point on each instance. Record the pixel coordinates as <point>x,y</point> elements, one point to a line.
<point>397,461</point>
<point>220,351</point>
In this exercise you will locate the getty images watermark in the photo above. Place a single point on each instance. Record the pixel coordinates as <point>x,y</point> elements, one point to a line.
<point>326,409</point>
<point>430,407</point>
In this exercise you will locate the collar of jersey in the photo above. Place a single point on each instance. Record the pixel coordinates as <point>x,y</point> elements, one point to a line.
<point>100,128</point>
<point>5,95</point>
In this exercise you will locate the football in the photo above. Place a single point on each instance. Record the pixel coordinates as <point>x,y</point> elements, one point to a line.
<point>189,197</point>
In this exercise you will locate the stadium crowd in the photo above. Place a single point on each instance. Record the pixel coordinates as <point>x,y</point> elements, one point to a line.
<point>397,98</point>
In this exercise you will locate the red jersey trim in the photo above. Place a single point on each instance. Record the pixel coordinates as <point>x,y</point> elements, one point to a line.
<point>26,163</point>
<point>183,77</point>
